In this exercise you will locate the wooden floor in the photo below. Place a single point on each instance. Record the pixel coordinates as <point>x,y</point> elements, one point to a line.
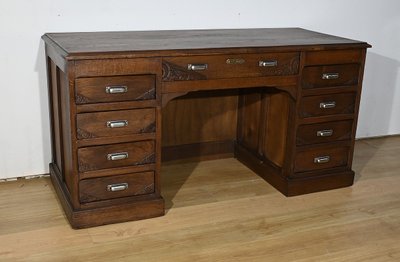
<point>220,211</point>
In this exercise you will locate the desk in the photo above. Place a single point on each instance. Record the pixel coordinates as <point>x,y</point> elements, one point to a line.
<point>282,101</point>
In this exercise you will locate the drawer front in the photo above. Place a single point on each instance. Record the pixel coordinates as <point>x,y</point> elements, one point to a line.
<point>330,104</point>
<point>330,76</point>
<point>114,123</point>
<point>119,155</point>
<point>114,89</point>
<point>321,158</point>
<point>324,132</point>
<point>229,66</point>
<point>333,57</point>
<point>95,189</point>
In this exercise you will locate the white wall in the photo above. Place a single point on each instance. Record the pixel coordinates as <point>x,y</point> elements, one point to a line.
<point>24,133</point>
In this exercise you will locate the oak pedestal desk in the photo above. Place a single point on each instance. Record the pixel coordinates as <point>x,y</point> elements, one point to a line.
<point>282,101</point>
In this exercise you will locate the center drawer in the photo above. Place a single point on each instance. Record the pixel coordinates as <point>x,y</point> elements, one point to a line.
<point>230,66</point>
<point>118,155</point>
<point>116,186</point>
<point>124,122</point>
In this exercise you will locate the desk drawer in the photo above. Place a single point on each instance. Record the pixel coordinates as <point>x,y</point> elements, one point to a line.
<point>116,186</point>
<point>118,155</point>
<point>230,66</point>
<point>324,132</point>
<point>329,76</point>
<point>114,123</point>
<point>329,104</point>
<point>114,89</point>
<point>321,158</point>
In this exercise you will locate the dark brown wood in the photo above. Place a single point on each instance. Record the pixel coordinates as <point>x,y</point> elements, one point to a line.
<point>93,90</point>
<point>96,189</point>
<point>305,160</point>
<point>230,66</point>
<point>199,151</point>
<point>267,117</point>
<point>96,157</point>
<point>345,103</point>
<point>333,57</point>
<point>153,43</point>
<point>94,125</point>
<point>313,76</point>
<point>186,122</point>
<point>308,134</point>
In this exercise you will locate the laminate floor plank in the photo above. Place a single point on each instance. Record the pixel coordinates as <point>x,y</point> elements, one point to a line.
<point>219,210</point>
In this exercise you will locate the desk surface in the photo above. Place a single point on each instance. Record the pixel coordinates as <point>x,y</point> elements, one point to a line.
<point>95,43</point>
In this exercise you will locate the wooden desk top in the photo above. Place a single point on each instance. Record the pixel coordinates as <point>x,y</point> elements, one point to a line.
<point>175,42</point>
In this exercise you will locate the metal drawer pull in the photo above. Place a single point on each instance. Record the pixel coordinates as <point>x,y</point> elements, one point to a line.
<point>117,187</point>
<point>328,76</point>
<point>326,132</point>
<point>268,63</point>
<point>197,67</point>
<point>117,123</point>
<point>116,89</point>
<point>117,156</point>
<point>322,159</point>
<point>326,105</point>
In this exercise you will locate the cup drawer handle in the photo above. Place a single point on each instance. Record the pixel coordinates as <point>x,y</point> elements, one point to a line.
<point>197,67</point>
<point>117,156</point>
<point>117,123</point>
<point>117,187</point>
<point>324,133</point>
<point>322,159</point>
<point>327,105</point>
<point>329,76</point>
<point>116,89</point>
<point>268,63</point>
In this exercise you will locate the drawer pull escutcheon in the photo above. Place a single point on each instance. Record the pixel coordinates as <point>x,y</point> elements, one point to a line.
<point>328,76</point>
<point>117,187</point>
<point>268,63</point>
<point>117,123</point>
<point>117,156</point>
<point>326,132</point>
<point>322,159</point>
<point>197,67</point>
<point>327,105</point>
<point>116,89</point>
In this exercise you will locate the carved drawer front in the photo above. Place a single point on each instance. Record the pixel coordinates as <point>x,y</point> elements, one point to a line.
<point>228,66</point>
<point>115,88</point>
<point>321,158</point>
<point>113,123</point>
<point>118,155</point>
<point>324,132</point>
<point>95,189</point>
<point>330,104</point>
<point>330,76</point>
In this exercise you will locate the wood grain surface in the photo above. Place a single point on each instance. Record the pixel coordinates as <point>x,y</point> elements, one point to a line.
<point>221,211</point>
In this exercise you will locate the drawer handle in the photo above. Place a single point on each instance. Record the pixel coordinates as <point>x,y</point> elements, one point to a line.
<point>117,123</point>
<point>117,156</point>
<point>322,159</point>
<point>117,187</point>
<point>327,105</point>
<point>329,76</point>
<point>326,132</point>
<point>268,63</point>
<point>197,67</point>
<point>116,89</point>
